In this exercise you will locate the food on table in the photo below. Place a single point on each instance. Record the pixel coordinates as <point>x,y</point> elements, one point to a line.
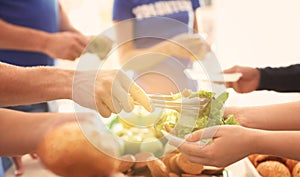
<point>172,165</point>
<point>210,115</point>
<point>273,169</point>
<point>67,152</point>
<point>127,161</point>
<point>296,170</point>
<point>157,168</point>
<point>269,165</point>
<point>188,167</point>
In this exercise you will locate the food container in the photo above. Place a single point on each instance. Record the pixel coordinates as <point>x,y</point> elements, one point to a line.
<point>250,169</point>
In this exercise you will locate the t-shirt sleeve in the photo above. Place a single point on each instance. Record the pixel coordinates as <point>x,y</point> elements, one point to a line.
<point>196,4</point>
<point>122,10</point>
<point>282,79</point>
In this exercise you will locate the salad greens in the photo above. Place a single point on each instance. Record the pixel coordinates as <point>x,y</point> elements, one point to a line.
<point>210,115</point>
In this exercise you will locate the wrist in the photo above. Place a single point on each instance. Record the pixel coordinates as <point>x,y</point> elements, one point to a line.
<point>253,141</point>
<point>59,83</point>
<point>44,45</point>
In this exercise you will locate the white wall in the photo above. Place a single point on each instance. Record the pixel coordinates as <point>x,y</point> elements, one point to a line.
<point>257,32</point>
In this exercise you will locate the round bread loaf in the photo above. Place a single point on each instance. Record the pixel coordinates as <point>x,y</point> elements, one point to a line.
<point>273,169</point>
<point>296,170</point>
<point>67,152</point>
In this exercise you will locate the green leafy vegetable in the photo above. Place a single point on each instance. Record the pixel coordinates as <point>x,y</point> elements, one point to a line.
<point>210,115</point>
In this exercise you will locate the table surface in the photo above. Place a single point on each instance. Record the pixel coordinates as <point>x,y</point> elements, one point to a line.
<point>33,167</point>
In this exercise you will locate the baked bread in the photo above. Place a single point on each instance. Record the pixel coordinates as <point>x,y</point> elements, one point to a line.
<point>273,169</point>
<point>67,152</point>
<point>296,170</point>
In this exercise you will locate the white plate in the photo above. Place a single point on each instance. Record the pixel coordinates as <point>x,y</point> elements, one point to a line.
<point>197,75</point>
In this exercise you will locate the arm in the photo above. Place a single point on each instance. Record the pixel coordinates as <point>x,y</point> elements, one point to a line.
<point>65,24</point>
<point>105,91</point>
<point>22,38</point>
<point>282,79</point>
<point>272,117</point>
<point>22,132</point>
<point>233,143</point>
<point>65,45</point>
<point>34,84</point>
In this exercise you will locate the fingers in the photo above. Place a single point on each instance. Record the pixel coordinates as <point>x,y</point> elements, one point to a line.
<point>19,166</point>
<point>136,92</point>
<point>140,96</point>
<point>122,97</point>
<point>233,69</point>
<point>103,109</point>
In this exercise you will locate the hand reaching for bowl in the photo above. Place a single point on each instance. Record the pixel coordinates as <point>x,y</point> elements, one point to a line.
<point>108,91</point>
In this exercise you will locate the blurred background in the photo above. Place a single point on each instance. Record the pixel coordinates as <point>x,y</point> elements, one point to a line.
<point>242,32</point>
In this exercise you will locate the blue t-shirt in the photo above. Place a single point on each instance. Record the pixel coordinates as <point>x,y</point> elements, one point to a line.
<point>144,11</point>
<point>1,168</point>
<point>156,20</point>
<point>37,14</point>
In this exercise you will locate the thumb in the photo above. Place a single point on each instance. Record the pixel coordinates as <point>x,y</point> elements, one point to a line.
<point>231,70</point>
<point>206,133</point>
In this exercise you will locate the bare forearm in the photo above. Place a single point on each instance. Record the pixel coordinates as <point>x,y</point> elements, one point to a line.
<point>272,117</point>
<point>22,38</point>
<point>279,143</point>
<point>20,133</point>
<point>65,24</point>
<point>32,85</point>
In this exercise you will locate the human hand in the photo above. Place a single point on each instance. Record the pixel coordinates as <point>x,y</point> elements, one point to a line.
<point>226,146</point>
<point>66,45</point>
<point>100,45</point>
<point>186,46</point>
<point>108,91</point>
<point>248,82</point>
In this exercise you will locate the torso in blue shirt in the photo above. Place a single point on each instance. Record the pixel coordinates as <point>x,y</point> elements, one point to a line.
<point>37,14</point>
<point>145,11</point>
<point>178,17</point>
<point>1,168</point>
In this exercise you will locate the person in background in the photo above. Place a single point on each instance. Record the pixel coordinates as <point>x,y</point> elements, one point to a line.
<point>281,79</point>
<point>162,19</point>
<point>34,33</point>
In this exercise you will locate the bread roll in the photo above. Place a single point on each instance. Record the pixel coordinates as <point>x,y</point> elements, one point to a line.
<point>296,170</point>
<point>262,157</point>
<point>187,166</point>
<point>291,164</point>
<point>67,152</point>
<point>273,169</point>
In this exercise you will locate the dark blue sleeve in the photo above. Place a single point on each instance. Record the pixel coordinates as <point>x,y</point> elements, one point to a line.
<point>196,4</point>
<point>282,79</point>
<point>122,10</point>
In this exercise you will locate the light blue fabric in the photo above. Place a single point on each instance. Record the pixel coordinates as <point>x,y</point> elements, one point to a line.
<point>1,168</point>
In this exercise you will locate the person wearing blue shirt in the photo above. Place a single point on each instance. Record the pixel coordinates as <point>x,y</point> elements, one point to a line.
<point>145,24</point>
<point>34,33</point>
<point>1,169</point>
